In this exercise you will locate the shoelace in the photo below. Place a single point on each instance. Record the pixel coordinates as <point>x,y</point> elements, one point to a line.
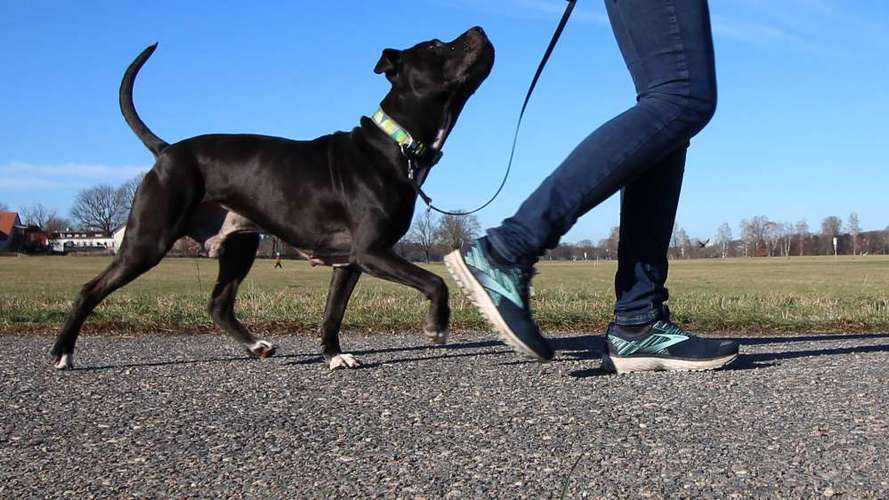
<point>674,329</point>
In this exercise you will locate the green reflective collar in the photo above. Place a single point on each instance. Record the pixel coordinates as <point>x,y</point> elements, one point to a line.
<point>401,136</point>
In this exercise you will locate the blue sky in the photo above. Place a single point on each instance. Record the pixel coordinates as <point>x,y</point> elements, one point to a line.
<point>800,133</point>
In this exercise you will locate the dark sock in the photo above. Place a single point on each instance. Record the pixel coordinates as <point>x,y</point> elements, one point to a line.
<point>634,329</point>
<point>499,260</point>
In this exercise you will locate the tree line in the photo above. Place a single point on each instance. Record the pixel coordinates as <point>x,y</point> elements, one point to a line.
<point>105,207</point>
<point>102,207</point>
<point>761,237</point>
<point>431,237</point>
<point>757,236</point>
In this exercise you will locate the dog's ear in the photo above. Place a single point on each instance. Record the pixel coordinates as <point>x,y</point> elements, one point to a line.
<point>389,63</point>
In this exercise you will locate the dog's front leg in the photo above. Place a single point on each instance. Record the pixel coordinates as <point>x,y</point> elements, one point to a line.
<point>389,266</point>
<point>342,282</point>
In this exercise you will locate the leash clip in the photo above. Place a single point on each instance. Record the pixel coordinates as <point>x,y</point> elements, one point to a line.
<point>410,162</point>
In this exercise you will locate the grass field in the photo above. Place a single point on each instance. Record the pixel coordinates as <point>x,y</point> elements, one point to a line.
<point>801,294</point>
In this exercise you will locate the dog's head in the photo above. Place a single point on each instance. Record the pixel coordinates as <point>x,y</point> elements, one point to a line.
<point>432,81</point>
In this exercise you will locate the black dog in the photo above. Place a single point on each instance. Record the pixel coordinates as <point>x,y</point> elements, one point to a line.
<point>344,199</point>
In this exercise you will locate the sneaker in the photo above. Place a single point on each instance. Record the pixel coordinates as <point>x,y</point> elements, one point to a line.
<point>663,346</point>
<point>500,291</point>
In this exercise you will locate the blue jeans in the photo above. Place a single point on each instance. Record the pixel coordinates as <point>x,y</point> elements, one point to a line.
<point>668,48</point>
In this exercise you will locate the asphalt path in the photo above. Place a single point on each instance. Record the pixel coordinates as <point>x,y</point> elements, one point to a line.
<point>183,416</point>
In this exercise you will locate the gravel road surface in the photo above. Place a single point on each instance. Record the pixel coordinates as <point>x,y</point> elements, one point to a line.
<point>191,416</point>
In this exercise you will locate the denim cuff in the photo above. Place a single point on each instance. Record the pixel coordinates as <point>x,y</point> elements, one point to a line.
<point>649,315</point>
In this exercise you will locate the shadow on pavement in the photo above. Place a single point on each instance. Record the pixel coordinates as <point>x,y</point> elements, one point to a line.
<point>809,338</point>
<point>575,348</point>
<point>162,363</point>
<point>779,356</point>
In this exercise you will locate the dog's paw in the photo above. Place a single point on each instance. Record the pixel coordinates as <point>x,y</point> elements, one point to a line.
<point>341,361</point>
<point>64,362</point>
<point>437,337</point>
<point>262,349</point>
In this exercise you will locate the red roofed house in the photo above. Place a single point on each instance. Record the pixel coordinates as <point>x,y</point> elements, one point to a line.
<point>10,230</point>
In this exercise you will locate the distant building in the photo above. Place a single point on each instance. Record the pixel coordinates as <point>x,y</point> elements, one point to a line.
<point>81,241</point>
<point>87,241</point>
<point>10,231</point>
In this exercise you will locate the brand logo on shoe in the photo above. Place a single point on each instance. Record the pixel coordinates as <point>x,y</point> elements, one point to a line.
<point>655,343</point>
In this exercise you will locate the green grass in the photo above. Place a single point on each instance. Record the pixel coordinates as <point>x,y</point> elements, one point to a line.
<point>801,294</point>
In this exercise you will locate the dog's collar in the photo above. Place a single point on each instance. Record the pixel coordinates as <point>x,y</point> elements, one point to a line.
<point>411,147</point>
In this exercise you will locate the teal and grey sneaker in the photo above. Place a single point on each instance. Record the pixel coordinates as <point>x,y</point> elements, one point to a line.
<point>663,346</point>
<point>500,291</point>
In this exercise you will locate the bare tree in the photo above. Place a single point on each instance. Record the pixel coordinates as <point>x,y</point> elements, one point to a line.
<point>684,243</point>
<point>423,233</point>
<point>612,243</point>
<point>854,231</point>
<point>563,251</point>
<point>724,238</point>
<point>128,189</point>
<point>57,224</point>
<point>754,232</point>
<point>100,207</point>
<point>45,218</point>
<point>802,232</point>
<point>586,249</point>
<point>674,241</point>
<point>455,230</point>
<point>772,237</point>
<point>37,215</point>
<point>747,236</point>
<point>785,238</point>
<point>680,242</point>
<point>831,228</point>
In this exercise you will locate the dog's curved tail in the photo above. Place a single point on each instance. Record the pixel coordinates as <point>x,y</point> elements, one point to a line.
<point>151,141</point>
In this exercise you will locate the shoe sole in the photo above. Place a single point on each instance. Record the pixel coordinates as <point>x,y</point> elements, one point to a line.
<point>629,365</point>
<point>475,292</point>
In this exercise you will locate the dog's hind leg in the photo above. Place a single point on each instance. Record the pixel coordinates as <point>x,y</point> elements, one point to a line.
<point>152,228</point>
<point>236,256</point>
<point>121,271</point>
<point>342,283</point>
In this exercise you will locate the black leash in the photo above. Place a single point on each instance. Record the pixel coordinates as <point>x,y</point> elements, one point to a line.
<point>549,51</point>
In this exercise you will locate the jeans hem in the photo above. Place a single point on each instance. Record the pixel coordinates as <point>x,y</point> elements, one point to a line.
<point>638,318</point>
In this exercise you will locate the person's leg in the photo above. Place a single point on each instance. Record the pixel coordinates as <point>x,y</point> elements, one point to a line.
<point>647,214</point>
<point>668,49</point>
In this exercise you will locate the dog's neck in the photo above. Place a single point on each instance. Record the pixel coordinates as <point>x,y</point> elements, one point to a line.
<point>380,141</point>
<point>411,146</point>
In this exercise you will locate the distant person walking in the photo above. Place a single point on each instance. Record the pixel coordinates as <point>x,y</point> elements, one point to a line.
<point>278,261</point>
<point>668,48</point>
